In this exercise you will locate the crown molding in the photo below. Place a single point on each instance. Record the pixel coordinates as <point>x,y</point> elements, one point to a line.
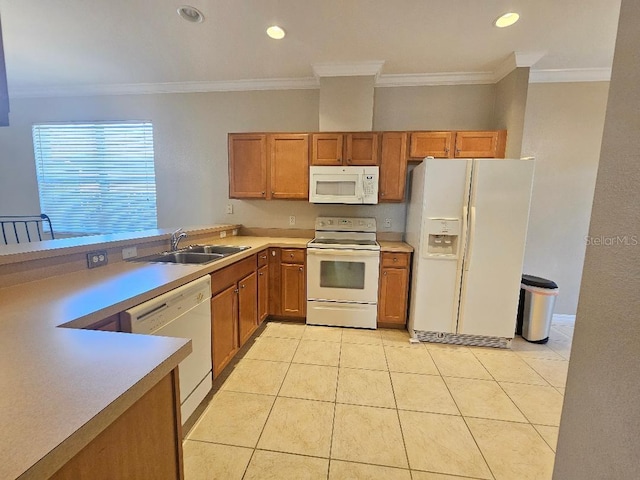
<point>570,75</point>
<point>353,69</point>
<point>304,83</point>
<point>311,83</point>
<point>432,79</point>
<point>515,60</point>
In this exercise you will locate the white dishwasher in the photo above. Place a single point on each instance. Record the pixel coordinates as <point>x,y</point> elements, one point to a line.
<point>184,312</point>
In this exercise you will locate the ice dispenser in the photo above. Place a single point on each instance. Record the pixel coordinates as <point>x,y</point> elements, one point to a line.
<point>442,237</point>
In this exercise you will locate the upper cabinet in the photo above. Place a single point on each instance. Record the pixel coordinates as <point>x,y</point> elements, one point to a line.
<point>289,166</point>
<point>462,144</point>
<point>247,165</point>
<point>431,144</point>
<point>481,144</point>
<point>337,149</point>
<point>269,166</point>
<point>393,167</point>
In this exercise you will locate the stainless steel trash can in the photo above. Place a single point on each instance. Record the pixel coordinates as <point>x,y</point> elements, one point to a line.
<point>538,297</point>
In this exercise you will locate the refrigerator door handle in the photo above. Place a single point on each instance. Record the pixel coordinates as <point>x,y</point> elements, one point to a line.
<point>465,227</point>
<point>472,234</point>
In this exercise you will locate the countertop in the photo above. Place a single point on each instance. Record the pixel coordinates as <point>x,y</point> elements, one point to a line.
<point>62,386</point>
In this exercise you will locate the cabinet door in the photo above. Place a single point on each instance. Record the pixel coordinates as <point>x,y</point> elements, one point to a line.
<point>392,297</point>
<point>393,167</point>
<point>247,307</point>
<point>489,144</point>
<point>293,294</point>
<point>224,334</point>
<point>362,149</point>
<point>274,281</point>
<point>263,293</point>
<point>247,165</point>
<point>326,149</point>
<point>431,144</point>
<point>289,164</point>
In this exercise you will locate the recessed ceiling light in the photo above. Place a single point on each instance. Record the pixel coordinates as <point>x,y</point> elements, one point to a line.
<point>506,20</point>
<point>191,14</point>
<point>276,32</point>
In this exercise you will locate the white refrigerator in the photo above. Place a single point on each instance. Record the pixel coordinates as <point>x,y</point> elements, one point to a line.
<point>467,222</point>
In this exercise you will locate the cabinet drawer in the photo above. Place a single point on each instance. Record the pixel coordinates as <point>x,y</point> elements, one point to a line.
<point>391,259</point>
<point>232,274</point>
<point>293,255</point>
<point>263,258</point>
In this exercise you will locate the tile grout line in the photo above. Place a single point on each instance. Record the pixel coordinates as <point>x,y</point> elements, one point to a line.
<point>335,407</point>
<point>270,410</point>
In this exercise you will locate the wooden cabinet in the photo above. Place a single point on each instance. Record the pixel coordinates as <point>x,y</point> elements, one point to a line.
<point>247,165</point>
<point>287,282</point>
<point>326,149</point>
<point>263,293</point>
<point>145,441</point>
<point>460,144</point>
<point>289,166</point>
<point>234,310</point>
<point>431,144</point>
<point>247,306</point>
<point>224,321</point>
<point>393,290</point>
<point>393,167</point>
<point>269,166</point>
<point>337,149</point>
<point>487,144</point>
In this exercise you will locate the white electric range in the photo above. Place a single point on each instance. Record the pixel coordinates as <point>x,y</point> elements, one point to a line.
<point>343,262</point>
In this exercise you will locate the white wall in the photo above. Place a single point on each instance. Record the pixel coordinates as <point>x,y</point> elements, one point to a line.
<point>600,425</point>
<point>563,131</point>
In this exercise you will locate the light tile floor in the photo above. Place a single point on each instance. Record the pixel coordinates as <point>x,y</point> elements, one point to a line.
<point>309,402</point>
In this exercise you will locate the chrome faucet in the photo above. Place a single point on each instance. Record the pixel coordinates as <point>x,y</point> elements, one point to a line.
<point>176,237</point>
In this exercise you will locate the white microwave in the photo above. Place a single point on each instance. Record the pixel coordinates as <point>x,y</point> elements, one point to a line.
<point>350,185</point>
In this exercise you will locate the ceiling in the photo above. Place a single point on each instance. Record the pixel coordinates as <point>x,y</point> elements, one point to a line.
<point>62,44</point>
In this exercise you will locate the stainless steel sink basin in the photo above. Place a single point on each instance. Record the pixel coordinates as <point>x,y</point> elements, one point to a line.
<point>182,257</point>
<point>194,254</point>
<point>221,249</point>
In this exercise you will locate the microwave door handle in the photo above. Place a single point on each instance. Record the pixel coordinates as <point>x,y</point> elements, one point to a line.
<point>360,184</point>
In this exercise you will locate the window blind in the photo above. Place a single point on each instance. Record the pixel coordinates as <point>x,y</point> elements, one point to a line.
<point>96,178</point>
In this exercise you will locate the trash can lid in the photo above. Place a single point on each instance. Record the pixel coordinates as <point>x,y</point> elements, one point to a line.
<point>539,282</point>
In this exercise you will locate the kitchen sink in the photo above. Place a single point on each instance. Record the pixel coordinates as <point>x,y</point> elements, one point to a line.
<point>193,254</point>
<point>181,257</point>
<point>218,249</point>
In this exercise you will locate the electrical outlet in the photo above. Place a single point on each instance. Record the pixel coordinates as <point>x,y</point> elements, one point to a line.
<point>235,231</point>
<point>292,219</point>
<point>223,234</point>
<point>229,208</point>
<point>387,223</point>
<point>97,258</point>
<point>129,252</point>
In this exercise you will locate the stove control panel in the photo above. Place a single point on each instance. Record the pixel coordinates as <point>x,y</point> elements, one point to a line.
<point>346,224</point>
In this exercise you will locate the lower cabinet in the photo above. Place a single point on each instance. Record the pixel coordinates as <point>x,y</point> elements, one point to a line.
<point>393,290</point>
<point>263,293</point>
<point>224,321</point>
<point>234,310</point>
<point>287,282</point>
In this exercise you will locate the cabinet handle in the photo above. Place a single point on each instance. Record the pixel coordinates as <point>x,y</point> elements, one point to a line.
<point>263,193</point>
<point>260,274</point>
<point>457,151</point>
<point>264,257</point>
<point>395,259</point>
<point>236,291</point>
<point>382,194</point>
<point>273,193</point>
<point>291,255</point>
<point>300,268</point>
<point>384,273</point>
<point>339,160</point>
<point>348,160</point>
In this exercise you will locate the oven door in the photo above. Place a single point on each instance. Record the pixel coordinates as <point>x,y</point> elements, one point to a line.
<point>342,275</point>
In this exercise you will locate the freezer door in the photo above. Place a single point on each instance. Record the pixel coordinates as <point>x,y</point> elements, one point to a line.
<point>492,269</point>
<point>435,286</point>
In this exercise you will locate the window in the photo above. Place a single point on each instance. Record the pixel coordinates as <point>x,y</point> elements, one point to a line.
<point>96,177</point>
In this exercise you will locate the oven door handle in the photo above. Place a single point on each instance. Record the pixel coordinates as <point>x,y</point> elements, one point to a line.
<point>334,252</point>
